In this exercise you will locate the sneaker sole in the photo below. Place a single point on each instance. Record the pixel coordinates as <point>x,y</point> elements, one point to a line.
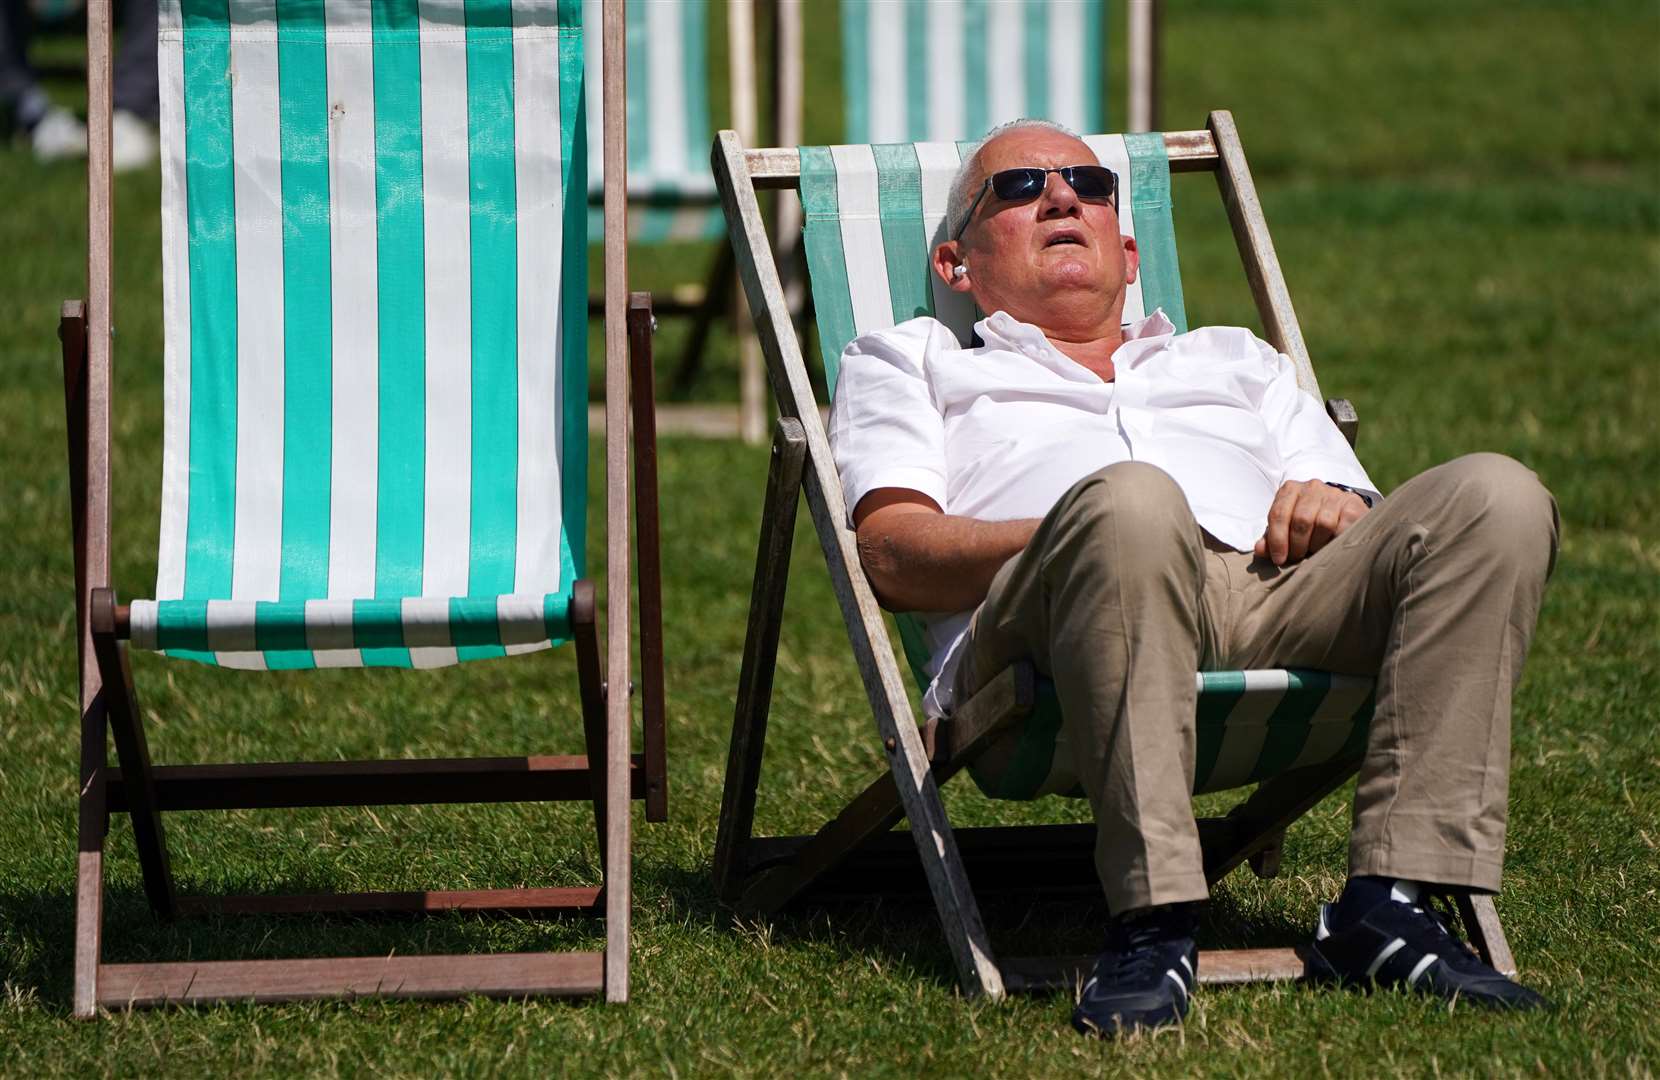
<point>1119,1025</point>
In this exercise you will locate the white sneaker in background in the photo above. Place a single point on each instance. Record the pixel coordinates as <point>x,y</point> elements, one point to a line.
<point>135,144</point>
<point>58,136</point>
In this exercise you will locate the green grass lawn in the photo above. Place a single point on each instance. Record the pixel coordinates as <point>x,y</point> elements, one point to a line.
<point>1466,198</point>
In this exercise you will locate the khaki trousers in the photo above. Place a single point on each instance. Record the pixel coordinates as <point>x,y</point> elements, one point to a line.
<point>1120,597</point>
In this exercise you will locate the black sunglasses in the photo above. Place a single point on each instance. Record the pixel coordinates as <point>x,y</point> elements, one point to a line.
<point>1024,185</point>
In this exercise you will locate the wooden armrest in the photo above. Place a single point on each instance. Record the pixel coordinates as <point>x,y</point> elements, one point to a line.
<point>1343,414</point>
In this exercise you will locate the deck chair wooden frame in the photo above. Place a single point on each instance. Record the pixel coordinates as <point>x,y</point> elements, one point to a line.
<point>609,775</point>
<point>856,853</point>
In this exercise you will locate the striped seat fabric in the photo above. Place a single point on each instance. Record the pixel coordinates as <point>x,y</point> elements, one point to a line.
<point>873,213</point>
<point>671,189</point>
<point>938,70</point>
<point>1251,725</point>
<point>376,339</point>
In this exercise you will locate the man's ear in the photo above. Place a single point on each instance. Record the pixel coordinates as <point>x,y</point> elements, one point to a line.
<point>948,258</point>
<point>1132,260</point>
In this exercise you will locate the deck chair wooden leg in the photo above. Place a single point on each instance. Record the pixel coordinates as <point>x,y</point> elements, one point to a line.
<point>717,300</point>
<point>1481,925</point>
<point>1265,863</point>
<point>766,616</point>
<point>908,762</point>
<point>1001,703</point>
<point>126,723</point>
<point>93,823</point>
<point>1258,823</point>
<point>590,678</point>
<point>89,870</point>
<point>642,398</point>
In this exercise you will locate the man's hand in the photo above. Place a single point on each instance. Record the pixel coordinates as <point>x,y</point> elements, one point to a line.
<point>1305,517</point>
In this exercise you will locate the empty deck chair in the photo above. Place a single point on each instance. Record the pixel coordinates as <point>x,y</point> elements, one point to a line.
<point>671,189</point>
<point>873,213</point>
<point>374,285</point>
<point>943,70</point>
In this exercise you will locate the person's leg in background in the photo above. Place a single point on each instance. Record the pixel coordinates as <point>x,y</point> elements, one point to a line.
<point>136,94</point>
<point>53,131</point>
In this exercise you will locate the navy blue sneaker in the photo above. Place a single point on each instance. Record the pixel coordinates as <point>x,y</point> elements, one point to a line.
<point>1403,945</point>
<point>1146,975</point>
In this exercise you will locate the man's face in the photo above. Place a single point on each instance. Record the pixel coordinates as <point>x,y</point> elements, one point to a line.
<point>1027,258</point>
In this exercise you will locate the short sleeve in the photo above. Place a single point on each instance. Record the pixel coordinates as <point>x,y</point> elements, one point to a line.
<point>885,429</point>
<point>1310,446</point>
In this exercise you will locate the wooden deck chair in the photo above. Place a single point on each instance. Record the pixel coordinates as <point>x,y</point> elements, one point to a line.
<point>670,187</point>
<point>374,284</point>
<point>942,70</point>
<point>872,213</point>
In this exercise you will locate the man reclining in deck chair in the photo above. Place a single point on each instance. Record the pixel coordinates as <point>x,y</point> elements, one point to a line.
<point>1126,506</point>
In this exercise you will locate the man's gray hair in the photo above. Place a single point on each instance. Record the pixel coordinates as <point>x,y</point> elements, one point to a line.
<point>963,186</point>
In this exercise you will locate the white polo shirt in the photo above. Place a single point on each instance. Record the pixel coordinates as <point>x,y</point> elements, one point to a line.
<point>1000,431</point>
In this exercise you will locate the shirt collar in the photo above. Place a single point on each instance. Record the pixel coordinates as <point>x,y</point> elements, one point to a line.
<point>1142,338</point>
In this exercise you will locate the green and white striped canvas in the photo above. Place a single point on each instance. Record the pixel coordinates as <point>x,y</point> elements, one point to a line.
<point>671,189</point>
<point>1250,726</point>
<point>873,213</point>
<point>941,70</point>
<point>374,283</point>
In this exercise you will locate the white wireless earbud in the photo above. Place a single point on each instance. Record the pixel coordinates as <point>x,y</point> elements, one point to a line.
<point>960,270</point>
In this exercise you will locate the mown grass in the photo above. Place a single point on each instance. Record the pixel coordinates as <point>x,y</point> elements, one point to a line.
<point>1466,199</point>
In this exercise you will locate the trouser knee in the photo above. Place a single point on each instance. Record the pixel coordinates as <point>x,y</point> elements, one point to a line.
<point>1142,506</point>
<point>1500,505</point>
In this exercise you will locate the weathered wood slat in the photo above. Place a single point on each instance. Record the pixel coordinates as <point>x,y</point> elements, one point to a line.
<point>418,902</point>
<point>760,659</point>
<point>1142,59</point>
<point>88,396</point>
<point>618,625</point>
<point>780,166</point>
<point>550,778</point>
<point>1034,974</point>
<point>504,975</point>
<point>126,723</point>
<point>590,680</point>
<point>647,525</point>
<point>998,706</point>
<point>1256,250</point>
<point>872,651</point>
<point>1486,933</point>
<point>1262,819</point>
<point>1342,413</point>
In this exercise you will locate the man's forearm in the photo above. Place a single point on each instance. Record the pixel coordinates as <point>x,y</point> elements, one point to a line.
<point>937,562</point>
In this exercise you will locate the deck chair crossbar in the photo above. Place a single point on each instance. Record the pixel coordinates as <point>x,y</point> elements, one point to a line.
<point>608,776</point>
<point>858,848</point>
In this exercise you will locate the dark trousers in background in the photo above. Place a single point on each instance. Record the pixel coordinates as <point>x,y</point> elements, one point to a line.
<point>136,89</point>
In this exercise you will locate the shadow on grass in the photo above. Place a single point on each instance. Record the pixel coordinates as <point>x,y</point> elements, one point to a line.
<point>903,932</point>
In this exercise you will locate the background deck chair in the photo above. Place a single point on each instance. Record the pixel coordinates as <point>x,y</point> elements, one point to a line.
<point>871,213</point>
<point>376,442</point>
<point>905,66</point>
<point>670,187</point>
<point>898,57</point>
